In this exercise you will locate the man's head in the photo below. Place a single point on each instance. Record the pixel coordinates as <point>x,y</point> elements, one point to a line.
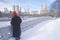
<point>14,13</point>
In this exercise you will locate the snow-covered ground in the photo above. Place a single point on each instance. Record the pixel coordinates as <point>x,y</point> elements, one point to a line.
<point>4,24</point>
<point>33,22</point>
<point>48,30</point>
<point>31,28</point>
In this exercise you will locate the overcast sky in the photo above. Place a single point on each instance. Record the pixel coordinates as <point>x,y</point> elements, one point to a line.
<point>32,4</point>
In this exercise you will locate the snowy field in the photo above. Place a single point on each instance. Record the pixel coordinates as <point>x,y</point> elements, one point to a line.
<point>48,30</point>
<point>37,28</point>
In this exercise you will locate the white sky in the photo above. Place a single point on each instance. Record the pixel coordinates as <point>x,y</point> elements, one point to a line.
<point>33,4</point>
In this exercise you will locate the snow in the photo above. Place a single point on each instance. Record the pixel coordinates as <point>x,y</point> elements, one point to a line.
<point>4,24</point>
<point>48,30</point>
<point>25,20</point>
<point>34,33</point>
<point>33,22</point>
<point>28,19</point>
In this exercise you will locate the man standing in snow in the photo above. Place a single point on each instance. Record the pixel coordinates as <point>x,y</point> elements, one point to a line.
<point>16,22</point>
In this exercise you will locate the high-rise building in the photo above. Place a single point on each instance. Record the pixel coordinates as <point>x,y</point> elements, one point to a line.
<point>16,8</point>
<point>44,9</point>
<point>20,10</point>
<point>27,11</point>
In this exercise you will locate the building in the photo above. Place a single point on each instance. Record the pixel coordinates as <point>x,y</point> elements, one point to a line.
<point>44,10</point>
<point>34,12</point>
<point>6,10</point>
<point>27,11</point>
<point>16,8</point>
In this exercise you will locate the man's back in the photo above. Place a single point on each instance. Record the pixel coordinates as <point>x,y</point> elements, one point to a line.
<point>15,22</point>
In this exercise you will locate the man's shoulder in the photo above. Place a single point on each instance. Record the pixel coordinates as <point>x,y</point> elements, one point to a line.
<point>18,17</point>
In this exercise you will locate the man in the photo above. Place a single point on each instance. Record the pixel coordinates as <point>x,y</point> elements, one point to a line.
<point>16,22</point>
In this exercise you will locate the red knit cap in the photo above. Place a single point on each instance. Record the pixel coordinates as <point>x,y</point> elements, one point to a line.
<point>14,13</point>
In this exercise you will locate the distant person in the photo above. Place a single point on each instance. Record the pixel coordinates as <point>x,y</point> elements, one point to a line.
<point>16,22</point>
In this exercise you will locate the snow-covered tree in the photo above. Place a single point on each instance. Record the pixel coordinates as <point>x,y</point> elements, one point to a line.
<point>55,8</point>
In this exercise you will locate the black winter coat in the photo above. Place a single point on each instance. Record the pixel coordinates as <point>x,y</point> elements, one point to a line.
<point>16,22</point>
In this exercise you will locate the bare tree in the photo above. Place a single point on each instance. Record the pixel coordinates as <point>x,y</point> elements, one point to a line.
<point>55,8</point>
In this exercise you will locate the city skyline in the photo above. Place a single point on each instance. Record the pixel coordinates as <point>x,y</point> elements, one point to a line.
<point>32,4</point>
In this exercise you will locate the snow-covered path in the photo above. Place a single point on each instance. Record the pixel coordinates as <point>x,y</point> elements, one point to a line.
<point>30,24</point>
